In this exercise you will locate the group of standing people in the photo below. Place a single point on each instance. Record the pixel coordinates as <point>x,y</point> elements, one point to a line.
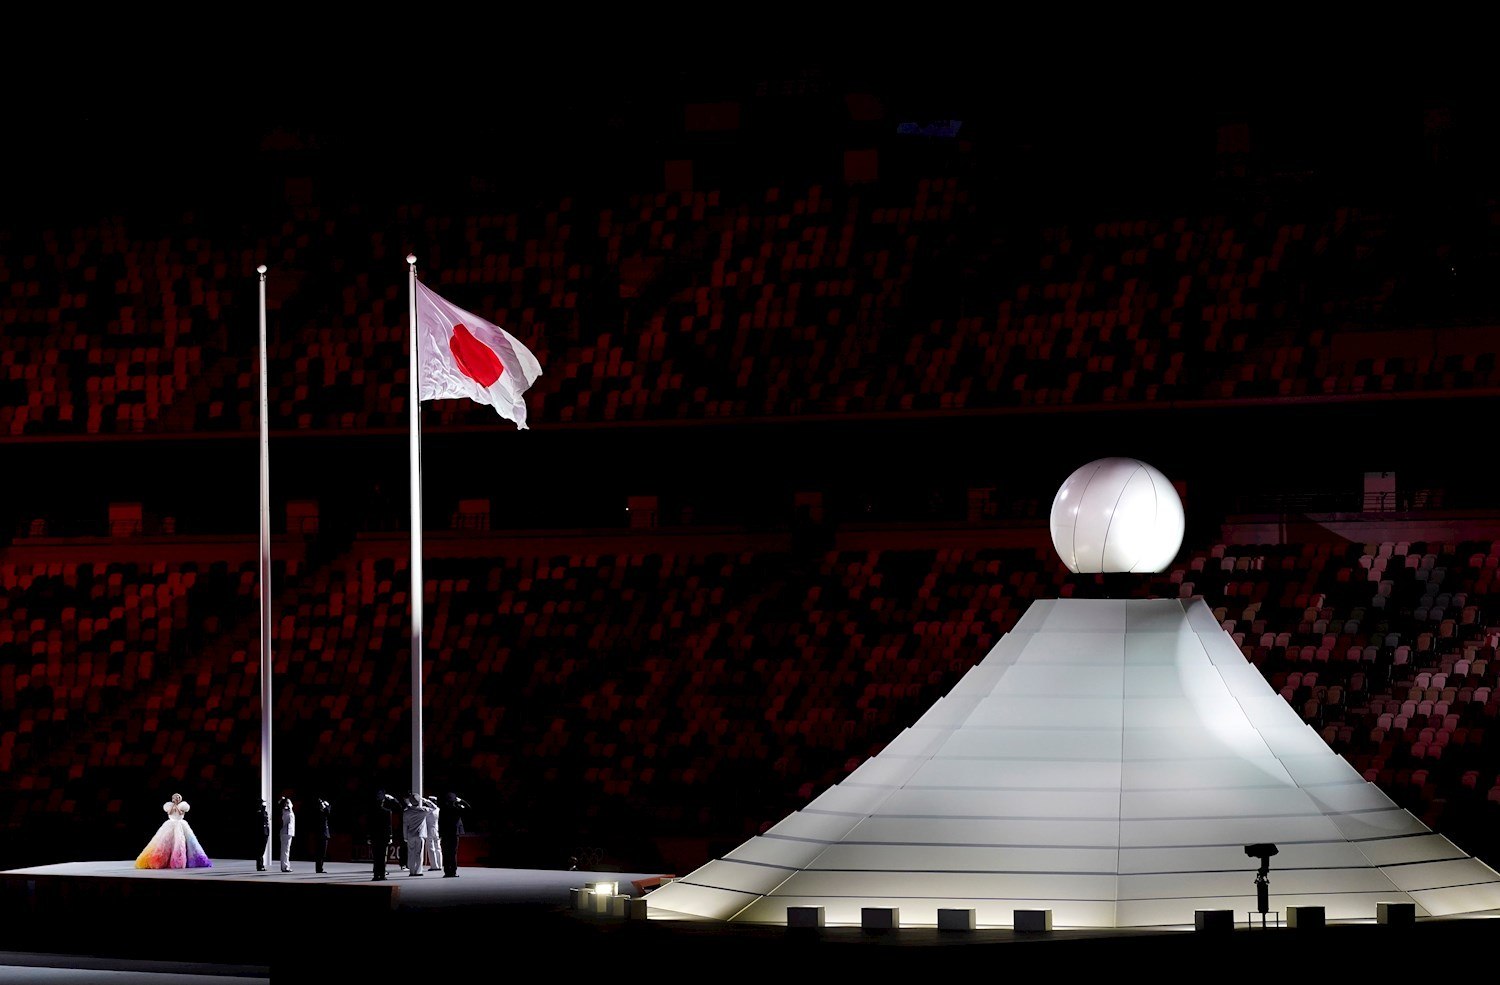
<point>429,834</point>
<point>286,830</point>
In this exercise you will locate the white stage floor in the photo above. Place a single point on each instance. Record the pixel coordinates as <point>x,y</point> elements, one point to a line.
<point>344,895</point>
<point>78,969</point>
<point>473,886</point>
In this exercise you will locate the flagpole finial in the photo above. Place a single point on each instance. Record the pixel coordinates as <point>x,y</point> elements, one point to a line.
<point>411,258</point>
<point>261,269</point>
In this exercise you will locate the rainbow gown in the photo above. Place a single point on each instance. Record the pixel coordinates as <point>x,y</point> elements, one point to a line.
<point>174,846</point>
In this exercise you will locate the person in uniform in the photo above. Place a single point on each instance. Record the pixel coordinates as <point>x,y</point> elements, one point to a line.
<point>380,830</point>
<point>259,848</point>
<point>322,831</point>
<point>450,826</point>
<point>288,828</point>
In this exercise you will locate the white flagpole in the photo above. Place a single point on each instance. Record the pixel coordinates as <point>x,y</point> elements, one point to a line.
<point>415,409</point>
<point>266,659</point>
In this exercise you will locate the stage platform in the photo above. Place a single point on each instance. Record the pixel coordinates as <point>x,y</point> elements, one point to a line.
<point>230,923</point>
<point>109,921</point>
<point>348,886</point>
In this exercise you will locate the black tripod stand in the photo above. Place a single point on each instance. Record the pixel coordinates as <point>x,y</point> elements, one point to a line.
<point>1263,852</point>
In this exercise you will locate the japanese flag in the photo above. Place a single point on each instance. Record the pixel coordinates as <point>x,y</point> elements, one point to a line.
<point>460,354</point>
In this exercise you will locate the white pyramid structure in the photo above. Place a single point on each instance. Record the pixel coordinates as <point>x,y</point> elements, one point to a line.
<point>1108,760</point>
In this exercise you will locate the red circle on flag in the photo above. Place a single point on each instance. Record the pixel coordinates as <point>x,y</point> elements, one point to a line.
<point>475,360</point>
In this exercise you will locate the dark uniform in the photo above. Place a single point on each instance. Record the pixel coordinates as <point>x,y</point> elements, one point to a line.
<point>450,826</point>
<point>322,831</point>
<point>380,829</point>
<point>258,848</point>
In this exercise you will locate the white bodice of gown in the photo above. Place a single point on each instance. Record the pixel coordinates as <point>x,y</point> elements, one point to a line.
<point>177,811</point>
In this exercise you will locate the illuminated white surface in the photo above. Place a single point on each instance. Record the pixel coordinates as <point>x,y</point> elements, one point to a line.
<point>1108,761</point>
<point>1117,515</point>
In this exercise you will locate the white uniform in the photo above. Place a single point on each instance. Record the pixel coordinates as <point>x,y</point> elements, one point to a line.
<point>414,828</point>
<point>430,834</point>
<point>288,828</point>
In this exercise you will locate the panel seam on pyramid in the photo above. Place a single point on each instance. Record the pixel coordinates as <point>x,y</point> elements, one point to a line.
<point>1120,789</point>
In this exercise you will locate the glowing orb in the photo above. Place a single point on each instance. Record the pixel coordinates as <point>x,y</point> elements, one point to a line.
<point>1117,515</point>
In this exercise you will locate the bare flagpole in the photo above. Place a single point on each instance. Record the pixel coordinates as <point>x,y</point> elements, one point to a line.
<point>414,402</point>
<point>266,659</point>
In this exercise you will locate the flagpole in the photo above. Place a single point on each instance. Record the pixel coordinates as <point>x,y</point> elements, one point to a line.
<point>266,661</point>
<point>414,402</point>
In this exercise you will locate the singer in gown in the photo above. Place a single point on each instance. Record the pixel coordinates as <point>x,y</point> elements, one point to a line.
<point>174,846</point>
